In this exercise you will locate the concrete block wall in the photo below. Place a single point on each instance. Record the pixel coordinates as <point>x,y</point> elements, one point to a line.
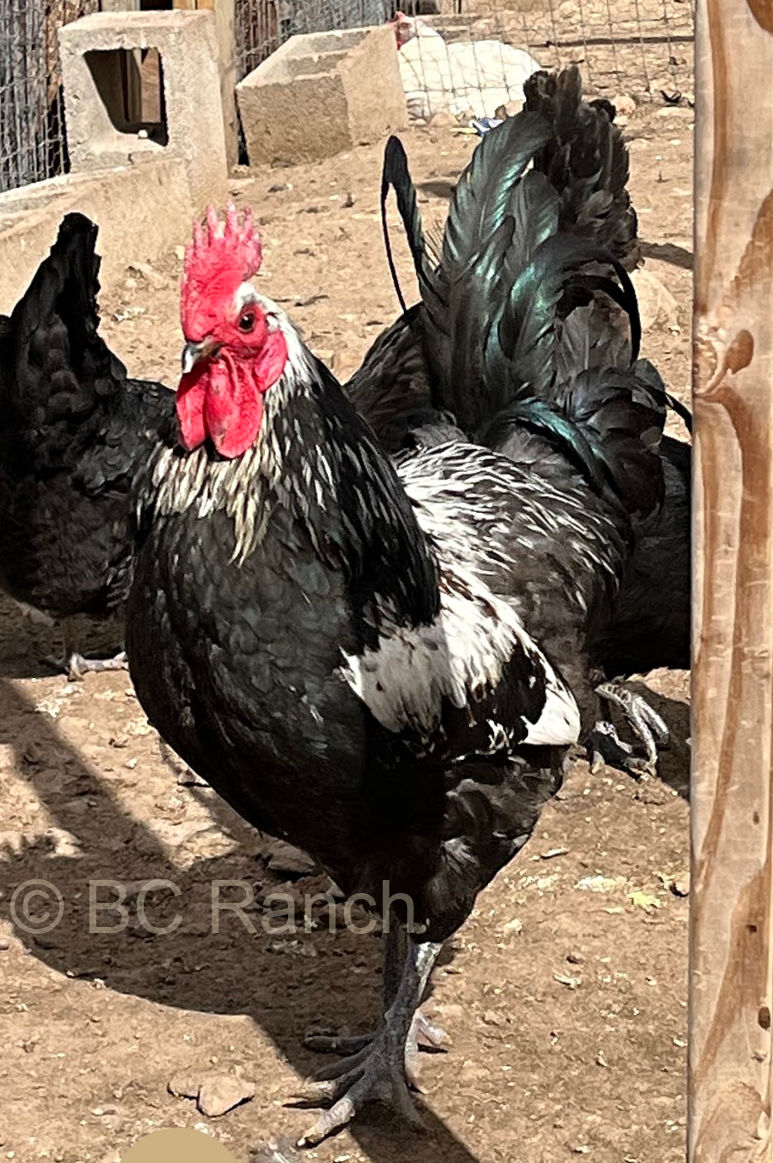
<point>187,46</point>
<point>142,211</point>
<point>320,94</point>
<point>142,194</point>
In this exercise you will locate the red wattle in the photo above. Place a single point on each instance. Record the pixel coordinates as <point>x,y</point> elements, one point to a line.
<point>223,400</point>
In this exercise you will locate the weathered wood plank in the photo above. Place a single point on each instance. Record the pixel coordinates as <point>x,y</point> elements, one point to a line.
<point>732,735</point>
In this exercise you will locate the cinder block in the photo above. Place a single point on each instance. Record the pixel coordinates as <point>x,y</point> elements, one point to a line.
<point>322,93</point>
<point>97,53</point>
<point>142,212</point>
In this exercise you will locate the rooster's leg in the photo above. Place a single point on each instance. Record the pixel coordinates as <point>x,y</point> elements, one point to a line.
<point>644,721</point>
<point>381,1072</point>
<point>424,1035</point>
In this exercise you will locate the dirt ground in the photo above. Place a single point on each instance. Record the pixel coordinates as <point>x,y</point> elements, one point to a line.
<point>565,993</point>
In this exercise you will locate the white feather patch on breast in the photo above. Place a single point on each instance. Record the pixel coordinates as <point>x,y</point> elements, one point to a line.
<point>463,653</point>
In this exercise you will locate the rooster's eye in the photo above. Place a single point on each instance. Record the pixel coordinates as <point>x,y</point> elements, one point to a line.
<point>247,321</point>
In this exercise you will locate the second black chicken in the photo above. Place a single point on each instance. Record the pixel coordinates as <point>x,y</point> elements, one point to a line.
<point>445,362</point>
<point>73,430</point>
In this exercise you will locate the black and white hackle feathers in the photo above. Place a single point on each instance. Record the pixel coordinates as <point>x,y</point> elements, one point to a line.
<point>73,429</point>
<point>466,350</point>
<point>385,664</point>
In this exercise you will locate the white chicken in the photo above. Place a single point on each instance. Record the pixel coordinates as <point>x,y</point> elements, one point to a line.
<point>470,78</point>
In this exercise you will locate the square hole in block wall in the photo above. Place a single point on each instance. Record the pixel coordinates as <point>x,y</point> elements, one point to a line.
<point>130,83</point>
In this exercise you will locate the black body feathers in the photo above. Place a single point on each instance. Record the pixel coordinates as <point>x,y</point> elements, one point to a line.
<point>73,430</point>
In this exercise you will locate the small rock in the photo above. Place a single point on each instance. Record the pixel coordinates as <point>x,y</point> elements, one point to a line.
<point>288,860</point>
<point>125,313</point>
<point>601,883</point>
<point>147,272</point>
<point>184,1085</point>
<point>130,284</point>
<point>188,778</point>
<point>220,1093</point>
<point>5,944</point>
<point>514,926</point>
<point>292,948</point>
<point>569,982</point>
<point>575,958</point>
<point>44,942</point>
<point>349,200</point>
<point>624,105</point>
<point>552,852</point>
<point>657,306</point>
<point>491,1018</point>
<point>678,884</point>
<point>33,754</point>
<point>442,119</point>
<point>279,187</point>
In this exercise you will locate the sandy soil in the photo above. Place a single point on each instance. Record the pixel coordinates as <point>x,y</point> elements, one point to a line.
<point>564,993</point>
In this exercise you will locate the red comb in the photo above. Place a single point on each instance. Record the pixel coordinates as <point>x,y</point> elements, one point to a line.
<point>221,256</point>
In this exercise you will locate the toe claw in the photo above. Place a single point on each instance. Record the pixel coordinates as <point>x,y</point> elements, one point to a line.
<point>78,666</point>
<point>428,1035</point>
<point>328,1090</point>
<point>332,1120</point>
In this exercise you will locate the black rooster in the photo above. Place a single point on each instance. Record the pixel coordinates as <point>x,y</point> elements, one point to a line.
<point>73,430</point>
<point>449,359</point>
<point>383,664</point>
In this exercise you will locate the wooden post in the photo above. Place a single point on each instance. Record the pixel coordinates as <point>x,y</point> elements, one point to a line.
<point>731,955</point>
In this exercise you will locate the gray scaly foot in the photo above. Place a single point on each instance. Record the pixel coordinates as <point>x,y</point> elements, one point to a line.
<point>382,1070</point>
<point>78,666</point>
<point>645,722</point>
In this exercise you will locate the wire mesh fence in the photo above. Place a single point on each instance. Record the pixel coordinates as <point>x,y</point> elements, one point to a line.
<point>32,138</point>
<point>262,25</point>
<point>636,47</point>
<point>462,62</point>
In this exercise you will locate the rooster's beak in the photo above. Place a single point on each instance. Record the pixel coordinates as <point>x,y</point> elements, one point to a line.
<point>193,352</point>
